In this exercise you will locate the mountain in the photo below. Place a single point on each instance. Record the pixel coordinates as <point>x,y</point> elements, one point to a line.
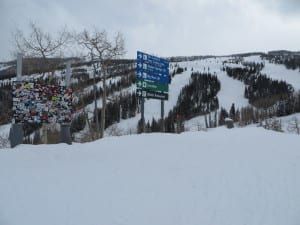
<point>253,86</point>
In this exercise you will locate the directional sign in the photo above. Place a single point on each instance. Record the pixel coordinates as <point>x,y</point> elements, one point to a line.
<point>153,86</point>
<point>146,66</point>
<point>151,94</point>
<point>152,76</point>
<point>159,78</point>
<point>153,60</point>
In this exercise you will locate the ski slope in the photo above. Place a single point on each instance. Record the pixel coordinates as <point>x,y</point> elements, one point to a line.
<point>278,72</point>
<point>218,177</point>
<point>232,91</point>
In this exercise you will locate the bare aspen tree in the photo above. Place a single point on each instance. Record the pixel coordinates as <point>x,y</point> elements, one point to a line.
<point>40,43</point>
<point>43,45</point>
<point>101,50</point>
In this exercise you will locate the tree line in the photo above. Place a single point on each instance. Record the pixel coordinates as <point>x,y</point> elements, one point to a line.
<point>260,90</point>
<point>289,60</point>
<point>197,98</point>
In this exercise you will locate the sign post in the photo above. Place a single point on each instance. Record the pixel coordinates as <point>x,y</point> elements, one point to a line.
<point>65,132</point>
<point>35,103</point>
<point>143,113</point>
<point>162,115</point>
<point>16,133</point>
<point>19,67</point>
<point>153,78</point>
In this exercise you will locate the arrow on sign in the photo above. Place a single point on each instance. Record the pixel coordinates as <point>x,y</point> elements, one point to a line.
<point>152,86</point>
<point>140,55</point>
<point>151,94</point>
<point>153,76</point>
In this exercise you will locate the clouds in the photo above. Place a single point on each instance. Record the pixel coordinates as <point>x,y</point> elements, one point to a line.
<point>286,7</point>
<point>169,27</point>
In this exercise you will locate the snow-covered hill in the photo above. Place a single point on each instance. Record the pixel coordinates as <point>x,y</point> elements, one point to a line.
<point>277,71</point>
<point>238,176</point>
<point>232,91</point>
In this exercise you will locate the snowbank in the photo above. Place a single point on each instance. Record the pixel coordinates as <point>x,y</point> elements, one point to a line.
<point>237,176</point>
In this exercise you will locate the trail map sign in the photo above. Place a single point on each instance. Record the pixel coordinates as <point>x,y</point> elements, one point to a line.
<point>34,103</point>
<point>152,76</point>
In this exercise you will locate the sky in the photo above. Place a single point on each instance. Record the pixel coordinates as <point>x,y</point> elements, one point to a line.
<point>163,27</point>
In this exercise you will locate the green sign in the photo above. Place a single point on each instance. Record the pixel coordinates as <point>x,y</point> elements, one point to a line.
<point>153,86</point>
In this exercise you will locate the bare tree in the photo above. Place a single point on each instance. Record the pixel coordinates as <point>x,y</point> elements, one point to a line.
<point>101,50</point>
<point>41,44</point>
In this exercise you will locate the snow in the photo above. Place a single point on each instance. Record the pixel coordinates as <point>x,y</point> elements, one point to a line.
<point>196,123</point>
<point>287,122</point>
<point>4,66</point>
<point>4,130</point>
<point>217,177</point>
<point>278,72</point>
<point>232,91</point>
<point>153,106</point>
<point>237,176</point>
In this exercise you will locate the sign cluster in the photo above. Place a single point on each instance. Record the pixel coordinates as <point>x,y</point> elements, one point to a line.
<point>34,103</point>
<point>152,76</point>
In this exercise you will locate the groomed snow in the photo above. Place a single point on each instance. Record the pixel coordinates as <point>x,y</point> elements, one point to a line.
<point>224,177</point>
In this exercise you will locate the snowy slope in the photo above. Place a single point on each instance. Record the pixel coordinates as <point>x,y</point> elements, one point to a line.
<point>232,91</point>
<point>278,72</point>
<point>218,177</point>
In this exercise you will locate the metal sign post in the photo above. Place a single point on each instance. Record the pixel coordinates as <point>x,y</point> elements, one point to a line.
<point>19,67</point>
<point>16,133</point>
<point>143,113</point>
<point>162,112</point>
<point>65,132</point>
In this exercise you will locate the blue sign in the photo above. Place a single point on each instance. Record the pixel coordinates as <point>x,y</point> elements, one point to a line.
<point>155,77</point>
<point>153,73</point>
<point>152,60</point>
<point>146,66</point>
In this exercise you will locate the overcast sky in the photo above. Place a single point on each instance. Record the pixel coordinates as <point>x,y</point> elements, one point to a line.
<point>164,27</point>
